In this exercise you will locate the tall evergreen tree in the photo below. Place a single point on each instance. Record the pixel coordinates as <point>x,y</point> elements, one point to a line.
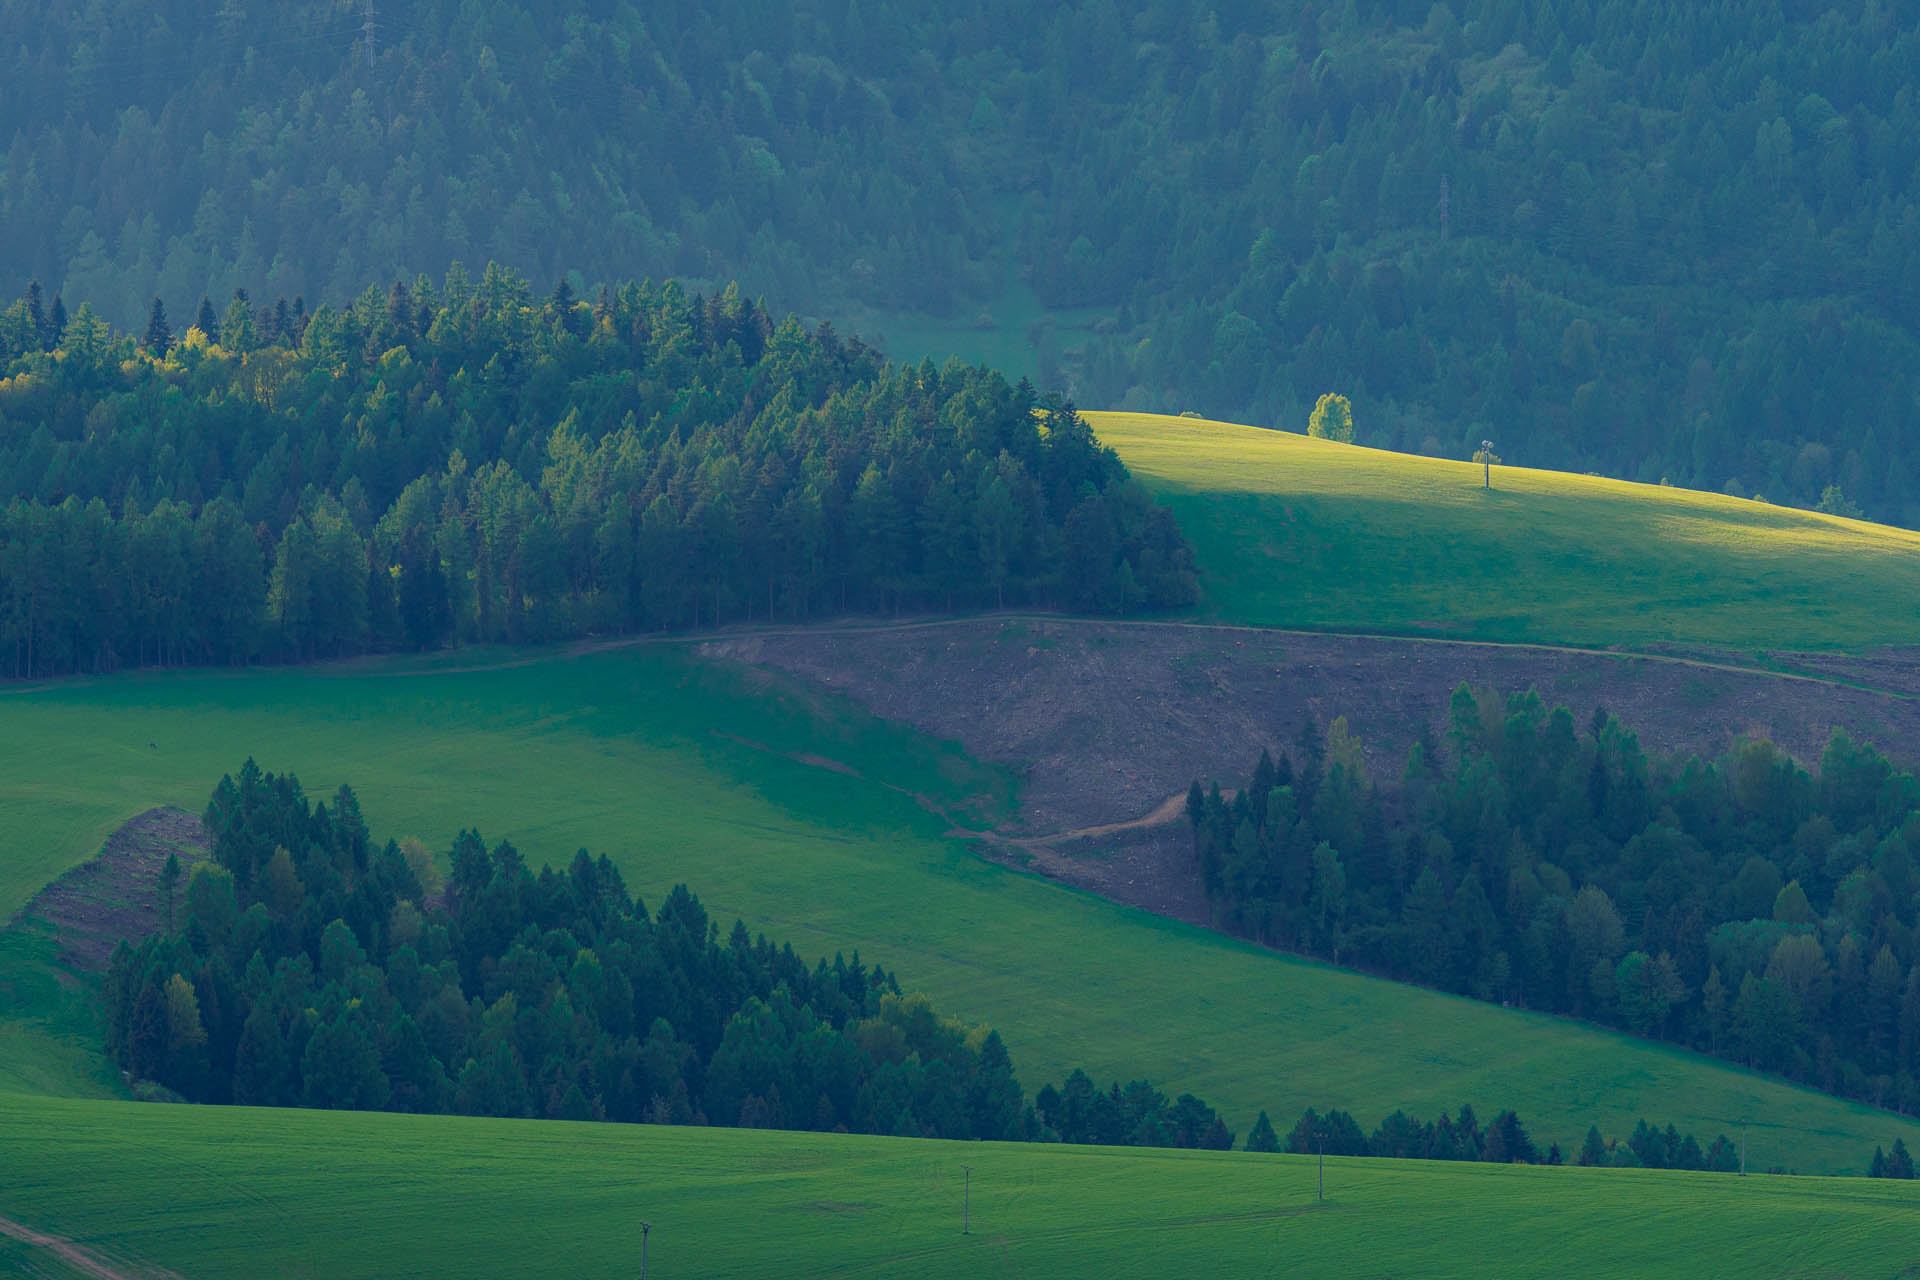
<point>37,311</point>
<point>159,335</point>
<point>1262,1137</point>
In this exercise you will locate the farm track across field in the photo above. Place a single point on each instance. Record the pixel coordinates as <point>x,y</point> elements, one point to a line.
<point>907,626</point>
<point>81,1259</point>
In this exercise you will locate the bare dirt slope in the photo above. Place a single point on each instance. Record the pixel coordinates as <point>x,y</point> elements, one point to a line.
<point>116,894</point>
<point>1107,721</point>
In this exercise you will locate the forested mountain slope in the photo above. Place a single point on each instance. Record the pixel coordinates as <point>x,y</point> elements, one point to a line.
<point>1634,236</point>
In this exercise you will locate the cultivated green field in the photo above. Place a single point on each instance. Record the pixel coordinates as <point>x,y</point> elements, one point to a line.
<point>636,753</point>
<point>1291,531</point>
<point>222,1192</point>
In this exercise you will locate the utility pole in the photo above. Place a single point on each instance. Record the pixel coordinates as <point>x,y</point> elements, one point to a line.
<point>1320,1141</point>
<point>966,1200</point>
<point>366,30</point>
<point>645,1227</point>
<point>1743,1148</point>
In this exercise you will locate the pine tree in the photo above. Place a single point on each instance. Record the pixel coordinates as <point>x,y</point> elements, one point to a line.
<point>1262,1137</point>
<point>205,321</point>
<point>1593,1152</point>
<point>400,316</point>
<point>1507,1141</point>
<point>159,339</point>
<point>1899,1162</point>
<point>237,329</point>
<point>56,324</point>
<point>37,310</point>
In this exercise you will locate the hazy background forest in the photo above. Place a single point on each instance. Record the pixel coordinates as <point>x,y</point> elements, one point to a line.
<point>1642,238</point>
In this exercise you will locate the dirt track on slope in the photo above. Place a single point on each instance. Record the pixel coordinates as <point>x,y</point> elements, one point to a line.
<point>81,1259</point>
<point>1109,721</point>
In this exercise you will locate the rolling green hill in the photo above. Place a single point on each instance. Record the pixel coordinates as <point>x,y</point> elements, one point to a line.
<point>685,772</point>
<point>234,1192</point>
<point>1292,531</point>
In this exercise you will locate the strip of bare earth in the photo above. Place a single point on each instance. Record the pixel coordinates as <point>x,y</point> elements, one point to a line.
<point>115,895</point>
<point>1109,721</point>
<point>82,1259</point>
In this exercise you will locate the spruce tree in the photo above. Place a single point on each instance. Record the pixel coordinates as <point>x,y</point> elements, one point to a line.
<point>236,328</point>
<point>37,309</point>
<point>1262,1137</point>
<point>205,321</point>
<point>56,324</point>
<point>159,337</point>
<point>400,316</point>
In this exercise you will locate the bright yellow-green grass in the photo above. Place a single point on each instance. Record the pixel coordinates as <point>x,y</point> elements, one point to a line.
<point>1291,531</point>
<point>623,752</point>
<point>231,1192</point>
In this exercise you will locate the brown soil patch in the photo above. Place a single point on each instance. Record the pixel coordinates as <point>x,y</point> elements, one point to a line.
<point>87,1262</point>
<point>116,895</point>
<point>1104,719</point>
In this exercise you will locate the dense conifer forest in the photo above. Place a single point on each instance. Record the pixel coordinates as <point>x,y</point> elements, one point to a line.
<point>308,966</point>
<point>1651,239</point>
<point>458,462</point>
<point>1742,905</point>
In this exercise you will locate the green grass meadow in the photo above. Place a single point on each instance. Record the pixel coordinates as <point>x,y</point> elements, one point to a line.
<point>634,753</point>
<point>234,1192</point>
<point>1291,531</point>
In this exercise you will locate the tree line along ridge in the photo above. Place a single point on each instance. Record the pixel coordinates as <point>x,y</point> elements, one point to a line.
<point>459,462</point>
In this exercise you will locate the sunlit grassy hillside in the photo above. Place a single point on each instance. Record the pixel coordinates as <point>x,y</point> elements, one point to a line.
<point>1291,531</point>
<point>648,756</point>
<point>218,1192</point>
